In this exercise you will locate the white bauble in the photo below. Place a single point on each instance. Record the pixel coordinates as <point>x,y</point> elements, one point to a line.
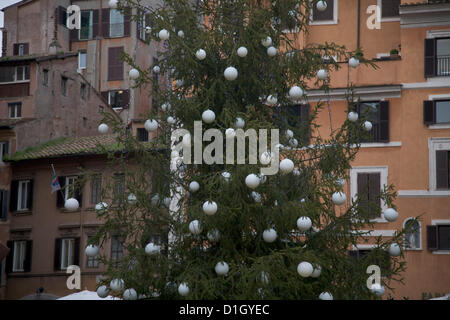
<point>322,74</point>
<point>155,199</point>
<point>170,120</point>
<point>325,296</point>
<point>183,289</point>
<point>394,250</point>
<point>181,34</point>
<point>340,182</point>
<point>103,128</point>
<point>222,268</point>
<point>352,116</point>
<point>377,289</point>
<point>166,106</point>
<point>163,34</point>
<point>390,214</point>
<point>271,100</point>
<point>270,235</point>
<point>226,175</point>
<point>230,133</point>
<point>230,73</point>
<point>102,291</point>
<point>113,4</point>
<point>317,271</point>
<point>304,223</point>
<point>71,204</point>
<point>148,30</point>
<point>353,62</point>
<point>129,294</point>
<point>367,125</point>
<point>240,123</point>
<point>117,285</point>
<point>295,92</point>
<point>265,158</point>
<point>267,42</point>
<point>296,172</point>
<point>151,125</point>
<point>252,181</point>
<point>166,202</point>
<point>256,196</point>
<point>210,208</point>
<point>272,51</point>
<point>194,227</point>
<point>194,186</point>
<point>134,74</point>
<point>339,198</point>
<point>208,116</point>
<point>321,5</point>
<point>264,277</point>
<point>286,166</point>
<point>156,69</point>
<point>262,178</point>
<point>242,52</point>
<point>152,248</point>
<point>91,250</point>
<point>305,269</point>
<point>289,134</point>
<point>213,235</point>
<point>132,198</point>
<point>101,207</point>
<point>200,54</point>
<point>293,142</point>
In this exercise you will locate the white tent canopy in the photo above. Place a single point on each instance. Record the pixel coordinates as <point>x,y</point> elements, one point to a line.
<point>86,295</point>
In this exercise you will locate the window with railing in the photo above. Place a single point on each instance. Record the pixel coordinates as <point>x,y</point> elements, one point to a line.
<point>443,57</point>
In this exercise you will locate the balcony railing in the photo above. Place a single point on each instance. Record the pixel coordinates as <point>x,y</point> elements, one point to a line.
<point>443,65</point>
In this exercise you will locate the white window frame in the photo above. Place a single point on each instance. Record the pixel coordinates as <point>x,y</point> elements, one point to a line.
<point>383,170</point>
<point>435,144</point>
<point>112,24</point>
<point>67,247</point>
<point>390,19</point>
<point>15,116</point>
<point>19,195</point>
<point>109,97</point>
<point>326,22</point>
<point>440,222</point>
<point>20,49</point>
<point>19,256</point>
<point>15,75</point>
<point>68,186</point>
<point>419,248</point>
<point>439,126</point>
<point>80,53</point>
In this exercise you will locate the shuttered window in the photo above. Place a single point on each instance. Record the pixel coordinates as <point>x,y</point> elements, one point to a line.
<point>4,205</point>
<point>436,111</point>
<point>438,237</point>
<point>118,98</point>
<point>442,169</point>
<point>21,49</point>
<point>21,195</point>
<point>437,57</point>
<point>326,15</point>
<point>19,258</point>
<point>390,8</point>
<point>96,189</point>
<point>67,253</point>
<point>115,64</point>
<point>378,114</point>
<point>369,193</point>
<point>70,188</point>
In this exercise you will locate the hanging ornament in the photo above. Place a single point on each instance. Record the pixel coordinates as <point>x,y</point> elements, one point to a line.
<point>340,182</point>
<point>240,123</point>
<point>293,142</point>
<point>353,62</point>
<point>317,271</point>
<point>210,208</point>
<point>134,74</point>
<point>71,204</point>
<point>151,125</point>
<point>256,196</point>
<point>352,116</point>
<point>286,166</point>
<point>148,30</point>
<point>267,42</point>
<point>322,74</point>
<point>155,200</point>
<point>367,125</point>
<point>117,285</point>
<point>339,198</point>
<point>226,175</point>
<point>152,248</point>
<point>295,93</point>
<point>325,296</point>
<point>200,54</point>
<point>181,34</point>
<point>252,181</point>
<point>230,73</point>
<point>304,223</point>
<point>103,128</point>
<point>183,289</point>
<point>321,5</point>
<point>113,4</point>
<point>262,178</point>
<point>305,269</point>
<point>166,106</point>
<point>296,172</point>
<point>271,100</point>
<point>194,186</point>
<point>394,250</point>
<point>194,227</point>
<point>242,52</point>
<point>101,207</point>
<point>163,34</point>
<point>156,69</point>
<point>390,214</point>
<point>270,235</point>
<point>222,268</point>
<point>289,134</point>
<point>272,51</point>
<point>230,133</point>
<point>170,120</point>
<point>377,289</point>
<point>129,294</point>
<point>208,116</point>
<point>265,158</point>
<point>102,291</point>
<point>132,198</point>
<point>213,235</point>
<point>264,277</point>
<point>91,250</point>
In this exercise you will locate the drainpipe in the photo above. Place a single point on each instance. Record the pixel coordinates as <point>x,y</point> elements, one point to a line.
<point>358,33</point>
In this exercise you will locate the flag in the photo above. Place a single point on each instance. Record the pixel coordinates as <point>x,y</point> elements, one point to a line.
<point>55,183</point>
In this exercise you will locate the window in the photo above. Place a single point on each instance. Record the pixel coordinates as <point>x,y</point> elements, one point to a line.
<point>15,74</point>
<point>4,149</point>
<point>21,195</point>
<point>390,8</point>
<point>370,257</point>
<point>83,91</point>
<point>64,86</point>
<point>369,193</point>
<point>116,250</point>
<point>378,114</point>
<point>3,205</point>
<point>119,187</point>
<point>437,57</point>
<point>19,255</point>
<point>118,98</point>
<point>19,258</point>
<point>45,80</point>
<point>70,188</point>
<point>116,24</point>
<point>436,112</point>
<point>438,237</point>
<point>442,169</point>
<point>92,262</point>
<point>298,120</point>
<point>96,189</point>
<point>82,60</point>
<point>87,22</point>
<point>142,134</point>
<point>327,16</point>
<point>67,252</point>
<point>21,49</point>
<point>412,238</point>
<point>142,23</point>
<point>115,64</point>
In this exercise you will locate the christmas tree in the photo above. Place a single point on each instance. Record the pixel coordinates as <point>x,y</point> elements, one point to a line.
<point>202,217</point>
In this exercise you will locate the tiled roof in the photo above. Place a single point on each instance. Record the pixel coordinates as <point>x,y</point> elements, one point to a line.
<point>66,147</point>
